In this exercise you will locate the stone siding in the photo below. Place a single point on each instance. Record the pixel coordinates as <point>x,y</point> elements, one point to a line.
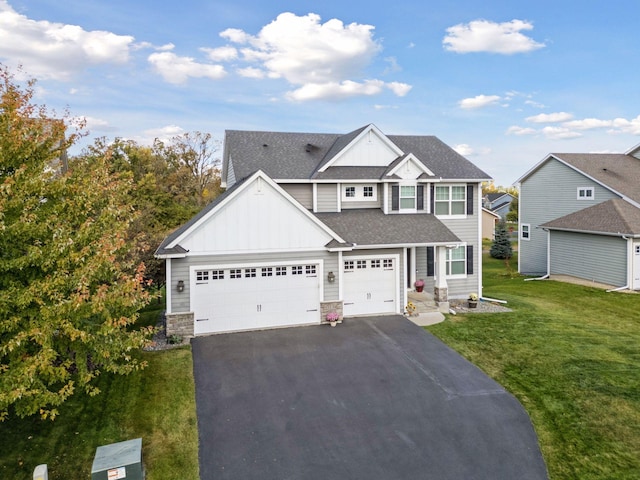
<point>327,307</point>
<point>179,324</point>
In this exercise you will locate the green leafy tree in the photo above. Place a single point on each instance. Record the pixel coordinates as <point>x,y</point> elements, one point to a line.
<point>69,292</point>
<point>501,246</point>
<point>512,214</point>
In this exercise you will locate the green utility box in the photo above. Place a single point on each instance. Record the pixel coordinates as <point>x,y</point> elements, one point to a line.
<point>118,461</point>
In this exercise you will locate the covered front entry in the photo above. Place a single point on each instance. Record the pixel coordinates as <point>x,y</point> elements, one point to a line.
<point>370,284</point>
<point>241,297</point>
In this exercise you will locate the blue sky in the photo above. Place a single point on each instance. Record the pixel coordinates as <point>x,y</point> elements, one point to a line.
<point>502,82</point>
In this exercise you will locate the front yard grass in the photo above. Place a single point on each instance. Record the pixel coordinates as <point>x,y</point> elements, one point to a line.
<point>157,404</point>
<point>571,355</point>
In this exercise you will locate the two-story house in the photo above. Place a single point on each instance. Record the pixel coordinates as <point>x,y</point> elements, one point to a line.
<point>580,216</point>
<point>498,202</point>
<point>317,223</point>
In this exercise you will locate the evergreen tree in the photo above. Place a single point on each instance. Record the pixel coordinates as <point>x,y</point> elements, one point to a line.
<point>501,247</point>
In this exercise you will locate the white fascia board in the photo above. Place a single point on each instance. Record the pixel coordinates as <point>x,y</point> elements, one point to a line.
<point>489,211</point>
<point>633,150</point>
<point>414,159</point>
<point>408,245</point>
<point>167,256</point>
<point>242,188</point>
<point>370,128</point>
<point>591,232</point>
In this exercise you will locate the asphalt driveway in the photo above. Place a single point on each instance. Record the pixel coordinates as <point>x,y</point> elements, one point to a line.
<point>375,398</point>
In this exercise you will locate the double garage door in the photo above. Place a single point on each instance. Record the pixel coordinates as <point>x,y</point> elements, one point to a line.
<point>255,297</point>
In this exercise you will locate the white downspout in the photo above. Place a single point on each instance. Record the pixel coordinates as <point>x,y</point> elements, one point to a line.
<point>546,276</point>
<point>629,266</point>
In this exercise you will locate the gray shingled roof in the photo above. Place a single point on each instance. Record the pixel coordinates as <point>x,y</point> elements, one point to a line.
<point>373,227</point>
<point>613,217</point>
<point>619,171</point>
<point>298,156</point>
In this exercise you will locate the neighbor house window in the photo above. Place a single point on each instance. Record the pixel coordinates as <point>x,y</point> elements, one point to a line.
<point>407,197</point>
<point>457,261</point>
<point>525,231</point>
<point>586,193</point>
<point>450,199</point>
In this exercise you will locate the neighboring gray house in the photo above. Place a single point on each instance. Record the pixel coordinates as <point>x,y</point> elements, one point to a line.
<point>498,202</point>
<point>580,216</point>
<point>317,223</point>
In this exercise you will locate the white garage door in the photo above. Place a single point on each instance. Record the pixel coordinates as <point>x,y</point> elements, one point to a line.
<point>246,298</point>
<point>370,285</point>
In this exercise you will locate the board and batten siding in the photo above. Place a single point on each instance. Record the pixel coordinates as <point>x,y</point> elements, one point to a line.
<point>180,269</point>
<point>549,193</point>
<point>602,258</point>
<point>302,192</point>
<point>327,200</point>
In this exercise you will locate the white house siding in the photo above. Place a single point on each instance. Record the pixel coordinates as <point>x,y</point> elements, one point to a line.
<point>302,192</point>
<point>549,193</point>
<point>591,264</point>
<point>369,151</point>
<point>327,200</point>
<point>180,271</point>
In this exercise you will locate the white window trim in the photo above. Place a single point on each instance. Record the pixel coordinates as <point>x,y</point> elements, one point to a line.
<point>448,262</point>
<point>413,209</point>
<point>585,197</point>
<point>522,226</point>
<point>449,215</point>
<point>359,197</point>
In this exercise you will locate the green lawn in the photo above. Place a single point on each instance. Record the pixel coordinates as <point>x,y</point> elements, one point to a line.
<point>157,404</point>
<point>571,355</point>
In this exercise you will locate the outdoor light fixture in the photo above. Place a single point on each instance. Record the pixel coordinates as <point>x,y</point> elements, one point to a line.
<point>331,277</point>
<point>180,286</point>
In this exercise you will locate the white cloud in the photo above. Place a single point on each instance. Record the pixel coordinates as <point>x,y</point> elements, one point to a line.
<point>559,133</point>
<point>588,124</point>
<point>164,134</point>
<point>324,60</point>
<point>175,69</point>
<point>55,50</point>
<point>464,149</point>
<point>251,72</point>
<point>516,130</point>
<point>550,117</point>
<point>534,104</point>
<point>623,125</point>
<point>485,36</point>
<point>479,101</point>
<point>221,54</point>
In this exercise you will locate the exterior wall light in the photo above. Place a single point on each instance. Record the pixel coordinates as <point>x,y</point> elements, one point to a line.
<point>331,277</point>
<point>180,286</point>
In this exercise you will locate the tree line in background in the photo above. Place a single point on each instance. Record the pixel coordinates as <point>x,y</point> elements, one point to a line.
<point>491,187</point>
<point>77,237</point>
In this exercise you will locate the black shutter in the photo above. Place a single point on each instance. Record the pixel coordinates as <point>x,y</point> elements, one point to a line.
<point>433,199</point>
<point>470,199</point>
<point>469,259</point>
<point>420,197</point>
<point>430,261</point>
<point>395,197</point>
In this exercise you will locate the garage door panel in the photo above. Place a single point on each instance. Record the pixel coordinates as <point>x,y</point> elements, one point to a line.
<point>255,297</point>
<point>370,285</point>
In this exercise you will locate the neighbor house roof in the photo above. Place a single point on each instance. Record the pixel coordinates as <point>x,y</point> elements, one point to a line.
<point>613,217</point>
<point>299,156</point>
<point>617,171</point>
<point>372,227</point>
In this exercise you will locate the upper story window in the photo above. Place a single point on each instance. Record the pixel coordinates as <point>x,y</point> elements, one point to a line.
<point>407,197</point>
<point>586,193</point>
<point>359,193</point>
<point>525,231</point>
<point>450,200</point>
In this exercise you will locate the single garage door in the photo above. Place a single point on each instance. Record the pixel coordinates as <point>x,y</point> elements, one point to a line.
<point>246,298</point>
<point>370,285</point>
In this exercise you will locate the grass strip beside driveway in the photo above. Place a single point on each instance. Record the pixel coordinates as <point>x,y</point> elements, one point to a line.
<point>157,404</point>
<point>571,354</point>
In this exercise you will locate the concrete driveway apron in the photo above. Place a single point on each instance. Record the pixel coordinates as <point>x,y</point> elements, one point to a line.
<point>373,398</point>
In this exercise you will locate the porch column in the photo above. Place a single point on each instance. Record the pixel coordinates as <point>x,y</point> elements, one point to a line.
<point>440,290</point>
